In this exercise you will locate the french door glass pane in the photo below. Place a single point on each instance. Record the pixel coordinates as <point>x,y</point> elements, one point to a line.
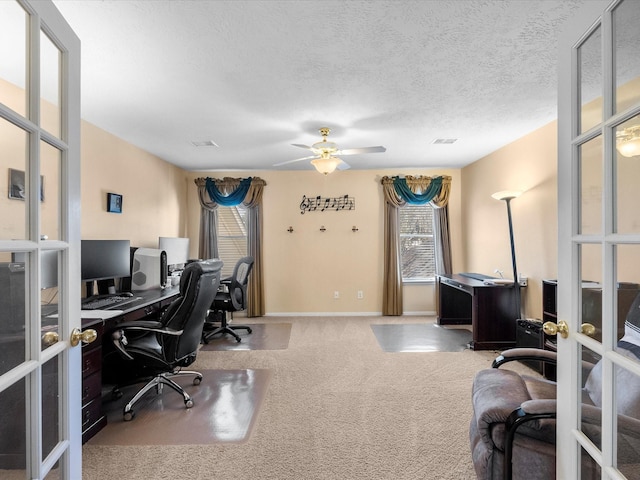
<point>628,432</point>
<point>13,158</point>
<point>627,168</point>
<point>50,407</point>
<point>49,281</point>
<point>591,81</point>
<point>591,291</point>
<point>591,186</point>
<point>589,469</point>
<point>13,428</point>
<point>627,259</point>
<point>49,85</point>
<point>627,63</point>
<point>13,56</point>
<point>14,277</point>
<point>50,169</point>
<point>591,394</point>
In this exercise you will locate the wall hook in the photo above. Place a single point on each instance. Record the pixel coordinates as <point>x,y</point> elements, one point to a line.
<point>322,229</point>
<point>290,229</point>
<point>354,229</point>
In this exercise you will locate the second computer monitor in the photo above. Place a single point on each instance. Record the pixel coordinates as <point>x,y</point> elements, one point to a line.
<point>176,248</point>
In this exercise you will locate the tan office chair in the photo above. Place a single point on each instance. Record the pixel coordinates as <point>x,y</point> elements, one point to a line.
<point>232,297</point>
<point>154,351</point>
<point>513,433</point>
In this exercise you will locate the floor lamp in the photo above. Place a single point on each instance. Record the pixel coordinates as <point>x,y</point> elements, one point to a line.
<point>507,196</point>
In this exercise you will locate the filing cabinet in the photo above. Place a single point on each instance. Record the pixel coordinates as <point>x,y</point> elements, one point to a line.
<point>93,418</point>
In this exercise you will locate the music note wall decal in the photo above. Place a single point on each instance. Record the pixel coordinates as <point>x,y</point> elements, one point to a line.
<point>321,204</point>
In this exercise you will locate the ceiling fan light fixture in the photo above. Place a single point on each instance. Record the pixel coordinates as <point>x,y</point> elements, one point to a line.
<point>628,141</point>
<point>326,165</point>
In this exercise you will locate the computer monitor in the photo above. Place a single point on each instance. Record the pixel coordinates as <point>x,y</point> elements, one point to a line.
<point>104,259</point>
<point>176,248</point>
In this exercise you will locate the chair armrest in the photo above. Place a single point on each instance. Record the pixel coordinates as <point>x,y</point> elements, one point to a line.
<point>120,339</point>
<point>513,354</point>
<point>495,394</point>
<point>138,324</point>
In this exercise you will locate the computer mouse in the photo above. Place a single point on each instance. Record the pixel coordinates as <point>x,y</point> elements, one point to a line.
<point>127,294</point>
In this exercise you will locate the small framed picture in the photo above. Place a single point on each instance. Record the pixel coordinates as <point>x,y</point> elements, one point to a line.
<point>17,185</point>
<point>114,203</point>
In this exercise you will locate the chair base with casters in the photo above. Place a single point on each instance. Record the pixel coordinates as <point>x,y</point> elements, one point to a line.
<point>157,382</point>
<point>217,324</point>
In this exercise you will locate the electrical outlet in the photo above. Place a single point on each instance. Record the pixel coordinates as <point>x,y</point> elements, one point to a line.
<point>336,294</point>
<point>522,280</point>
<point>360,294</point>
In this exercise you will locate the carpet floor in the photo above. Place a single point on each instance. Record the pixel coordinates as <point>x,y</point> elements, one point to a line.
<point>337,406</point>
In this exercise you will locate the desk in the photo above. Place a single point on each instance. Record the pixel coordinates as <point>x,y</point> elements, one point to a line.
<point>147,303</point>
<point>490,309</point>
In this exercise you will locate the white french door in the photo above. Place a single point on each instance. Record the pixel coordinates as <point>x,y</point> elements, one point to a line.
<point>40,400</point>
<point>599,232</point>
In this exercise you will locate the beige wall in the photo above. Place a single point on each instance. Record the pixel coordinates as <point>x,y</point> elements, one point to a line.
<point>303,269</point>
<point>154,192</point>
<point>530,166</point>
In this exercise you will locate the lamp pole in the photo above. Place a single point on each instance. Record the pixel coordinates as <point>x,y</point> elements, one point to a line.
<point>513,247</point>
<point>507,196</point>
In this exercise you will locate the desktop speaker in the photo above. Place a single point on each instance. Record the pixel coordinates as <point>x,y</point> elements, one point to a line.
<point>149,269</point>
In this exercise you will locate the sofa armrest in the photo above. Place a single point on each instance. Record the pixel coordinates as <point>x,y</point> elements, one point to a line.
<point>514,354</point>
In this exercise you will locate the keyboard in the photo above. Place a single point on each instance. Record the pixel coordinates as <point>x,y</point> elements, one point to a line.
<point>104,303</point>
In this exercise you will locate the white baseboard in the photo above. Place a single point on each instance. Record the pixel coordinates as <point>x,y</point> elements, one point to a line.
<point>323,314</point>
<point>342,314</point>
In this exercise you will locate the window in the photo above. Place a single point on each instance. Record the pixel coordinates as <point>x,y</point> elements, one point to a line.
<point>417,244</point>
<point>232,236</point>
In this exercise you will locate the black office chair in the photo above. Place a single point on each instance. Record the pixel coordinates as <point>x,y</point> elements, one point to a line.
<point>232,297</point>
<point>155,350</point>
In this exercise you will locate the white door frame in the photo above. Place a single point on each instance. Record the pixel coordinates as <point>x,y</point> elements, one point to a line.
<point>66,455</point>
<point>570,439</point>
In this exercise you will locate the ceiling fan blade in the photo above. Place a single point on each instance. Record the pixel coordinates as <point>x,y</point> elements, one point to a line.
<point>343,166</point>
<point>356,151</point>
<point>301,146</point>
<point>293,161</point>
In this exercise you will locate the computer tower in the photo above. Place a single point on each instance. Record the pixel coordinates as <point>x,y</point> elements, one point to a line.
<point>149,269</point>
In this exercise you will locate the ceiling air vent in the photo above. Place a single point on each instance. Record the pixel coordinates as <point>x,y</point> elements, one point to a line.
<point>205,143</point>
<point>444,141</point>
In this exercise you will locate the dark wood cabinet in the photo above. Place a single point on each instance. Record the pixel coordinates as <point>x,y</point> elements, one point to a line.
<point>93,420</point>
<point>491,310</point>
<point>591,305</point>
<point>150,304</point>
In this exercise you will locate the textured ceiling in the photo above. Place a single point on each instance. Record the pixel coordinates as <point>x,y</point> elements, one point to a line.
<point>256,76</point>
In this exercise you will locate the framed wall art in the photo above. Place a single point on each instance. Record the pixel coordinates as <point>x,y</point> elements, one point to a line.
<point>114,203</point>
<point>17,186</point>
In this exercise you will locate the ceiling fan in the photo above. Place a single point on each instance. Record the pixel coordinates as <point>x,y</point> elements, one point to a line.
<point>324,159</point>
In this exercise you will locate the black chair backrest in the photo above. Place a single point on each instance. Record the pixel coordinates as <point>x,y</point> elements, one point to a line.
<point>239,279</point>
<point>198,286</point>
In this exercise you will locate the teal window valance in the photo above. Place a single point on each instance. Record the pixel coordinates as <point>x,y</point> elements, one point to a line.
<point>234,198</point>
<point>403,191</point>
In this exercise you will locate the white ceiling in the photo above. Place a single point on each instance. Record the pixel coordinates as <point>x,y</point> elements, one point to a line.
<point>256,76</point>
